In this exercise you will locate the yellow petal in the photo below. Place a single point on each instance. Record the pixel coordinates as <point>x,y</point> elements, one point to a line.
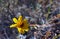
<point>26,25</point>
<point>14,20</point>
<point>13,25</point>
<point>25,21</point>
<point>20,30</point>
<point>26,29</point>
<point>20,18</point>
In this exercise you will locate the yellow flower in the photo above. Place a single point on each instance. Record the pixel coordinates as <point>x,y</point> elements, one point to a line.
<point>21,24</point>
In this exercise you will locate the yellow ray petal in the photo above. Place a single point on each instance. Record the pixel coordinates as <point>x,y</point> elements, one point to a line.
<point>14,20</point>
<point>25,26</point>
<point>13,25</point>
<point>20,30</point>
<point>26,29</point>
<point>25,23</point>
<point>20,18</point>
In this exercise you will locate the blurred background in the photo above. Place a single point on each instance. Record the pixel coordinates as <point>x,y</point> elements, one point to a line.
<point>43,17</point>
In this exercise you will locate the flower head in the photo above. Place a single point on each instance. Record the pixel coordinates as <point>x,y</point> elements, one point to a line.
<point>21,24</point>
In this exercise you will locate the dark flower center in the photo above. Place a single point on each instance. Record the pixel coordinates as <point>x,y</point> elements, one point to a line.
<point>22,25</point>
